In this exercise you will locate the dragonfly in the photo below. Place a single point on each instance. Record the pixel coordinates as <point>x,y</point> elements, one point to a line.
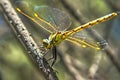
<point>57,36</point>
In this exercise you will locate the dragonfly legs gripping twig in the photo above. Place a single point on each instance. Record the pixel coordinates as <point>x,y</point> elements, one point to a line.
<point>54,55</point>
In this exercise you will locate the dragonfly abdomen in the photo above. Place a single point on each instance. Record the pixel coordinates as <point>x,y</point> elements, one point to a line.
<point>92,23</point>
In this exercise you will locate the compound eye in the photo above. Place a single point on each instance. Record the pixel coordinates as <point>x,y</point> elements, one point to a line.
<point>45,42</point>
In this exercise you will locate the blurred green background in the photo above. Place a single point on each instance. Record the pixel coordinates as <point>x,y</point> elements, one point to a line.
<point>72,60</point>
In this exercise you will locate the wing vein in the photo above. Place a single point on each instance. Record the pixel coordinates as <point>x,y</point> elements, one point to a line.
<point>82,43</point>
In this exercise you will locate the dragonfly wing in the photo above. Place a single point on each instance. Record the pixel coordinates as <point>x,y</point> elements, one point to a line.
<point>83,43</point>
<point>89,35</point>
<point>25,9</point>
<point>55,16</point>
<point>50,19</point>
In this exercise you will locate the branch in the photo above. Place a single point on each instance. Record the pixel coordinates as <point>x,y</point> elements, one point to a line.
<point>112,5</point>
<point>68,62</point>
<point>95,66</point>
<point>25,38</point>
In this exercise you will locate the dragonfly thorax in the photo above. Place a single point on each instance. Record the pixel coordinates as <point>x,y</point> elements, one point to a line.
<point>53,40</point>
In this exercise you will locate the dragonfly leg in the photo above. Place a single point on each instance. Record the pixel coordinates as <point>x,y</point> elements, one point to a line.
<point>45,53</point>
<point>54,57</point>
<point>50,58</point>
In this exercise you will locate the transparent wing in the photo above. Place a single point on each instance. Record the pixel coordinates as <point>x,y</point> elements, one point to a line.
<point>83,43</point>
<point>30,14</point>
<point>83,38</point>
<point>55,16</point>
<point>50,19</point>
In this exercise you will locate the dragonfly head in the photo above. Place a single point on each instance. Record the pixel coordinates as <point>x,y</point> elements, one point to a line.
<point>46,43</point>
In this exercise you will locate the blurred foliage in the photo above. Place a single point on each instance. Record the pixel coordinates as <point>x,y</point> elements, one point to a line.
<point>15,64</point>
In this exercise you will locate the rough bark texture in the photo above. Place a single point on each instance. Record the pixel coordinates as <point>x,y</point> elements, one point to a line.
<point>27,40</point>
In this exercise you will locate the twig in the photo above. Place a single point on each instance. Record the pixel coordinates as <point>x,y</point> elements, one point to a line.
<point>111,5</point>
<point>112,56</point>
<point>26,39</point>
<point>70,67</point>
<point>94,67</point>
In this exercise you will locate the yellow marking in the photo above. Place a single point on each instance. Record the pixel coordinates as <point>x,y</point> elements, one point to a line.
<point>91,23</point>
<point>32,19</point>
<point>36,15</point>
<point>18,9</point>
<point>83,43</point>
<point>84,46</point>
